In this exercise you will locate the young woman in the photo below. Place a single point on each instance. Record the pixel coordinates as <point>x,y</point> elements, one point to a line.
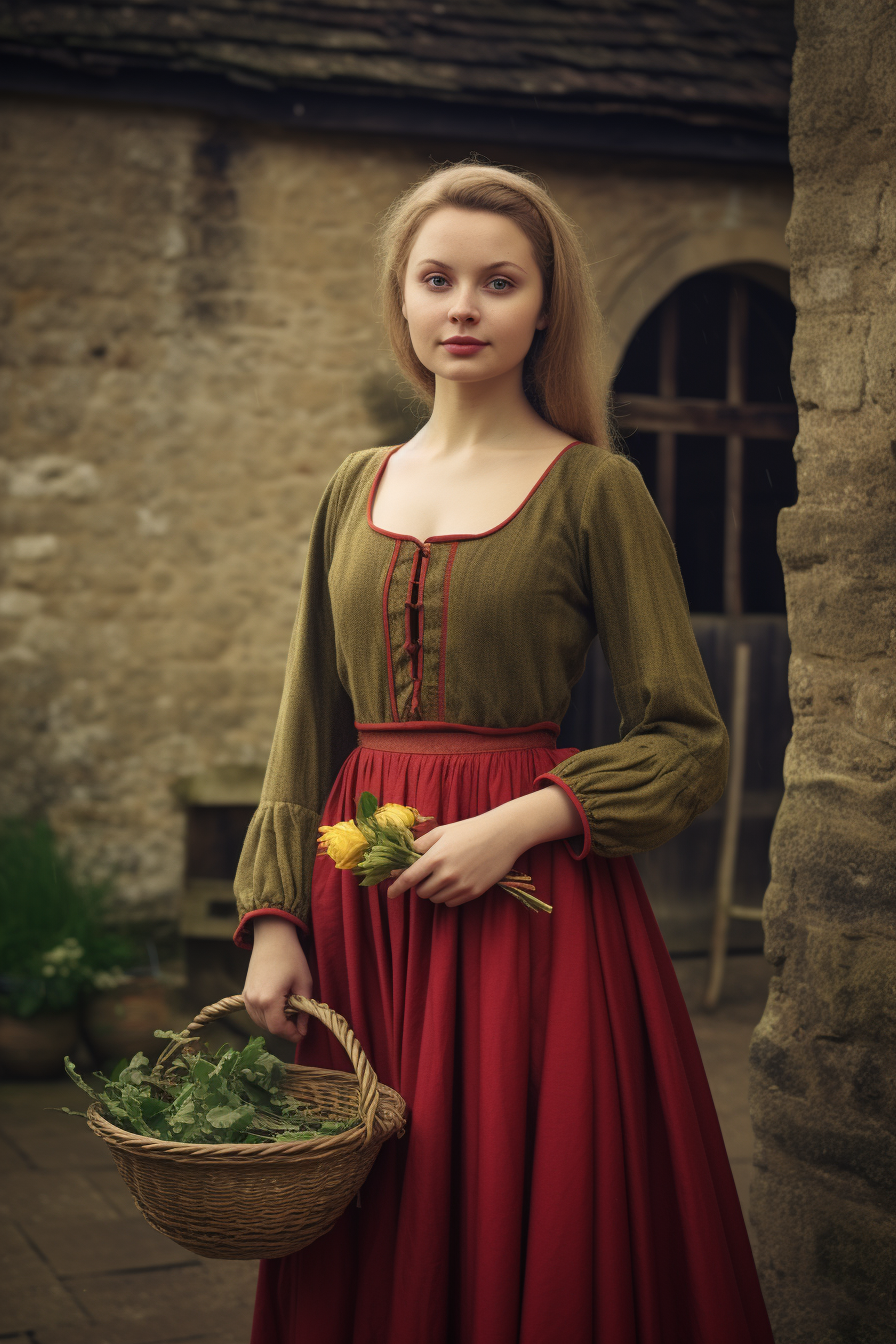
<point>563,1178</point>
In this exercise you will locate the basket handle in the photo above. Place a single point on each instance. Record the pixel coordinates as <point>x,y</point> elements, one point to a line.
<point>367,1081</point>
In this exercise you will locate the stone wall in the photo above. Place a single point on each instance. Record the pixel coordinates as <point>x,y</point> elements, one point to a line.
<point>824,1055</point>
<point>190,346</point>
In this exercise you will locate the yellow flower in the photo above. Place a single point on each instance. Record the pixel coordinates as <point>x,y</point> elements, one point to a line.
<point>344,843</point>
<point>395,814</point>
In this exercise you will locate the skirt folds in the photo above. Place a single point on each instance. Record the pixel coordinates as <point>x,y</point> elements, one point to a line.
<point>563,1176</point>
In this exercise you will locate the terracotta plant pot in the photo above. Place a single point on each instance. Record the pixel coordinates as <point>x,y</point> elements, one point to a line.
<point>119,1022</point>
<point>34,1047</point>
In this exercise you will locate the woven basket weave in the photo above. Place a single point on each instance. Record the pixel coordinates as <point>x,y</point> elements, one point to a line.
<point>246,1201</point>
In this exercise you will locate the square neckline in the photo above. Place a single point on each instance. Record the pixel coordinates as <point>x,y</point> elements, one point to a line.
<point>453,536</point>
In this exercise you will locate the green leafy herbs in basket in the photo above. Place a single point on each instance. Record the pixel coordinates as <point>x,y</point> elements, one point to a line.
<point>233,1096</point>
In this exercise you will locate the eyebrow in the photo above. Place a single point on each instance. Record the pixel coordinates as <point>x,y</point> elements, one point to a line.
<point>492,266</point>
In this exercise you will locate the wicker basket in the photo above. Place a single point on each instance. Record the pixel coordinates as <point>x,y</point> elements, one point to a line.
<point>246,1201</point>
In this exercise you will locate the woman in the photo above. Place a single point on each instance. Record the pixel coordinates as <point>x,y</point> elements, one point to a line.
<point>563,1176</point>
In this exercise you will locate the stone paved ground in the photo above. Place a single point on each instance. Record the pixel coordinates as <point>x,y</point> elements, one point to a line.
<point>80,1266</point>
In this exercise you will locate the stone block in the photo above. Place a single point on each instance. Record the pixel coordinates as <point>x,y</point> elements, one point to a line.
<point>834,1139</point>
<point>833,227</point>
<point>837,67</point>
<point>828,367</point>
<point>827,750</point>
<point>834,862</point>
<point>881,360</point>
<point>854,975</point>
<point>812,1229</point>
<point>836,612</point>
<point>875,705</point>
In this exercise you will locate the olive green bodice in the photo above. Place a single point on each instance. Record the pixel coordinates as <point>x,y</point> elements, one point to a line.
<point>491,630</point>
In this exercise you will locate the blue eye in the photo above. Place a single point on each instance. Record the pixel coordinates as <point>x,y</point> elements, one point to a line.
<point>504,284</point>
<point>433,279</point>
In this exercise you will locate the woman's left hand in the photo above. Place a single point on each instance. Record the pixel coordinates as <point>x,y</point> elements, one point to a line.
<point>462,860</point>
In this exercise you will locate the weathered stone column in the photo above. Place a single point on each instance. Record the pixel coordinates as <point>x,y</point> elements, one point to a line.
<point>824,1056</point>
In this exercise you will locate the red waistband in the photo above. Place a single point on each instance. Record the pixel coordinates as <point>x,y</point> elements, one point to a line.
<point>452,738</point>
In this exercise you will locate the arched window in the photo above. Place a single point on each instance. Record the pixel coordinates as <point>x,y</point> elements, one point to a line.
<point>704,401</point>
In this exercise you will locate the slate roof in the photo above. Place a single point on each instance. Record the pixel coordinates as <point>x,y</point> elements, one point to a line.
<point>717,67</point>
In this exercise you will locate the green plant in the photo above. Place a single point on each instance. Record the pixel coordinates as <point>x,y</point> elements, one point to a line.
<point>55,944</point>
<point>231,1097</point>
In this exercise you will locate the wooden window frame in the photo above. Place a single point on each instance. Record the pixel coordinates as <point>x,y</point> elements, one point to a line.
<point>734,420</point>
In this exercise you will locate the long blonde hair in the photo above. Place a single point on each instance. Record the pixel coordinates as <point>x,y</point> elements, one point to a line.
<point>562,375</point>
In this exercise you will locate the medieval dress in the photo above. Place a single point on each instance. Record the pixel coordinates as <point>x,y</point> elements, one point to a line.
<point>563,1178</point>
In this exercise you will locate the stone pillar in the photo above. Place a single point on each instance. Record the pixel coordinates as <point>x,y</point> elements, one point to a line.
<point>823,1061</point>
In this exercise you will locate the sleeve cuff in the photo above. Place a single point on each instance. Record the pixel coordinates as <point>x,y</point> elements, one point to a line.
<point>244,936</point>
<point>540,781</point>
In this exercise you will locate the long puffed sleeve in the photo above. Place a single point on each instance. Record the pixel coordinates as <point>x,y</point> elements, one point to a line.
<point>671,762</point>
<point>314,734</point>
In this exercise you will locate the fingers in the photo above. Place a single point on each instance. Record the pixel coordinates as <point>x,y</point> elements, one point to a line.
<point>269,1014</point>
<point>411,877</point>
<point>287,1028</point>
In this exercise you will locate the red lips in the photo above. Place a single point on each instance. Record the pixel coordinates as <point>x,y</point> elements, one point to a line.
<point>463,340</point>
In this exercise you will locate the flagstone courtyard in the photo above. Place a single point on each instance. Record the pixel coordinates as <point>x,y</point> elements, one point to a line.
<point>82,1267</point>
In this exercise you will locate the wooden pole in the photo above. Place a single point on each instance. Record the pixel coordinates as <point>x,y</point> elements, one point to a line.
<point>725,873</point>
<point>665,439</point>
<point>734,449</point>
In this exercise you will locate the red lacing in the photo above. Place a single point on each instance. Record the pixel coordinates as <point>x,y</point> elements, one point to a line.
<point>413,624</point>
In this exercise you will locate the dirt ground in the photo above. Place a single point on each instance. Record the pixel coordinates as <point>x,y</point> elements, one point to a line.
<point>82,1267</point>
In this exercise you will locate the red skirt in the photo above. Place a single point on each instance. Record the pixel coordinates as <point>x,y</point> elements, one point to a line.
<point>563,1178</point>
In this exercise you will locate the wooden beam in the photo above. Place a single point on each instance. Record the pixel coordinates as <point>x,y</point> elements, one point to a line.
<point>693,415</point>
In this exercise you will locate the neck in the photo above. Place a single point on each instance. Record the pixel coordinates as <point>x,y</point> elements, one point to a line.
<point>490,415</point>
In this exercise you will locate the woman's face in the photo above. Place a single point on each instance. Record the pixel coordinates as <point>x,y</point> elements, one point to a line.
<point>473,295</point>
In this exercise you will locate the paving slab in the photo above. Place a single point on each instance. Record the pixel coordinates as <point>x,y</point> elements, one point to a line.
<point>10,1158</point>
<point>223,1332</point>
<point>30,1197</point>
<point>34,1297</point>
<point>85,1333</point>
<point>113,1190</point>
<point>164,1304</point>
<point>232,1280</point>
<point>54,1142</point>
<point>77,1246</point>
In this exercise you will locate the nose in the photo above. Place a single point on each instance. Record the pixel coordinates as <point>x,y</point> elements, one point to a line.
<point>464,308</point>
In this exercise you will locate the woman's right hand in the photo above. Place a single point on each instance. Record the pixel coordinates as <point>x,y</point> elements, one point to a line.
<point>278,967</point>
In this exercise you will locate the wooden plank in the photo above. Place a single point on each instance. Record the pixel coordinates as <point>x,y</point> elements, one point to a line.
<point>738,316</point>
<point>665,442</point>
<point>740,699</point>
<point>694,415</point>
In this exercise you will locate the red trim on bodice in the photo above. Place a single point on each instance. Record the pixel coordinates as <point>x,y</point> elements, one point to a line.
<point>453,536</point>
<point>414,610</point>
